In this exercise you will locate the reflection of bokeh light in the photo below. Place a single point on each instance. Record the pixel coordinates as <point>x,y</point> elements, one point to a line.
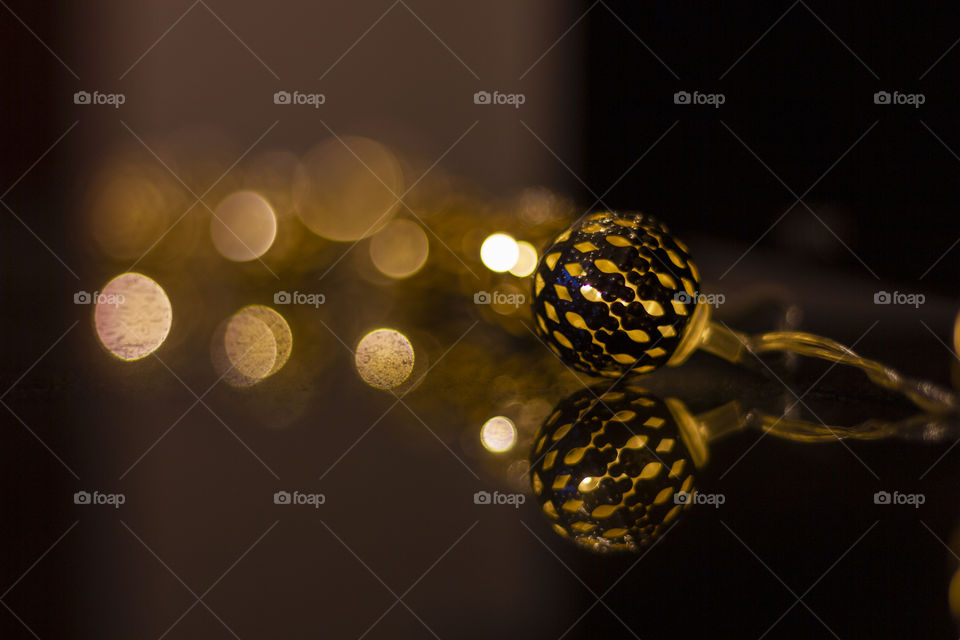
<point>243,226</point>
<point>499,252</point>
<point>498,434</point>
<point>348,193</point>
<point>526,260</point>
<point>384,358</point>
<point>133,316</point>
<point>252,344</point>
<point>400,249</point>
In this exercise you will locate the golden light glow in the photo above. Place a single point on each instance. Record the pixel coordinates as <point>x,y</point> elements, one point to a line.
<point>347,189</point>
<point>384,358</point>
<point>400,249</point>
<point>956,335</point>
<point>499,252</point>
<point>129,212</point>
<point>243,226</point>
<point>133,316</point>
<point>498,434</point>
<point>252,344</point>
<point>526,260</point>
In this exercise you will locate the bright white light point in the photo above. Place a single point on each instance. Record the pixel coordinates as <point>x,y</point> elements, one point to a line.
<point>384,358</point>
<point>133,316</point>
<point>526,260</point>
<point>243,226</point>
<point>499,252</point>
<point>498,434</point>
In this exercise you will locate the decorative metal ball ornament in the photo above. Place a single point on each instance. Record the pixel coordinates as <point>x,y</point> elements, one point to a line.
<point>618,294</point>
<point>612,470</point>
<point>615,292</point>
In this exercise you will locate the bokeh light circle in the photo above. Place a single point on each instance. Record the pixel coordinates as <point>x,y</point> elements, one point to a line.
<point>400,249</point>
<point>243,226</point>
<point>384,358</point>
<point>133,316</point>
<point>498,434</point>
<point>347,189</point>
<point>251,345</point>
<point>526,262</point>
<point>499,252</point>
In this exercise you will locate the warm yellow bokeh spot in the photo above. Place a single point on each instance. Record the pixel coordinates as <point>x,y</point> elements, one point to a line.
<point>498,434</point>
<point>243,226</point>
<point>499,252</point>
<point>133,316</point>
<point>400,249</point>
<point>347,189</point>
<point>384,358</point>
<point>526,260</point>
<point>252,344</point>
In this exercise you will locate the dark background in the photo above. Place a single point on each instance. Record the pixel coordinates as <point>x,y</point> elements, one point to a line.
<point>799,99</point>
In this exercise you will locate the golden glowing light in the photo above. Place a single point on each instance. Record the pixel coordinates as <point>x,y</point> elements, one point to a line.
<point>499,252</point>
<point>384,358</point>
<point>252,344</point>
<point>956,335</point>
<point>526,260</point>
<point>347,189</point>
<point>127,213</point>
<point>498,434</point>
<point>133,316</point>
<point>400,249</point>
<point>243,226</point>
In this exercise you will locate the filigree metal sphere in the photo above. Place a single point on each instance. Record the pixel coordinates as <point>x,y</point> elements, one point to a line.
<point>611,473</point>
<point>614,293</point>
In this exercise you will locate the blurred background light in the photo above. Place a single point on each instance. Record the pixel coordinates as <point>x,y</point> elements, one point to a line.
<point>384,358</point>
<point>250,345</point>
<point>499,252</point>
<point>243,226</point>
<point>133,316</point>
<point>346,189</point>
<point>526,260</point>
<point>498,434</point>
<point>400,249</point>
<point>129,208</point>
